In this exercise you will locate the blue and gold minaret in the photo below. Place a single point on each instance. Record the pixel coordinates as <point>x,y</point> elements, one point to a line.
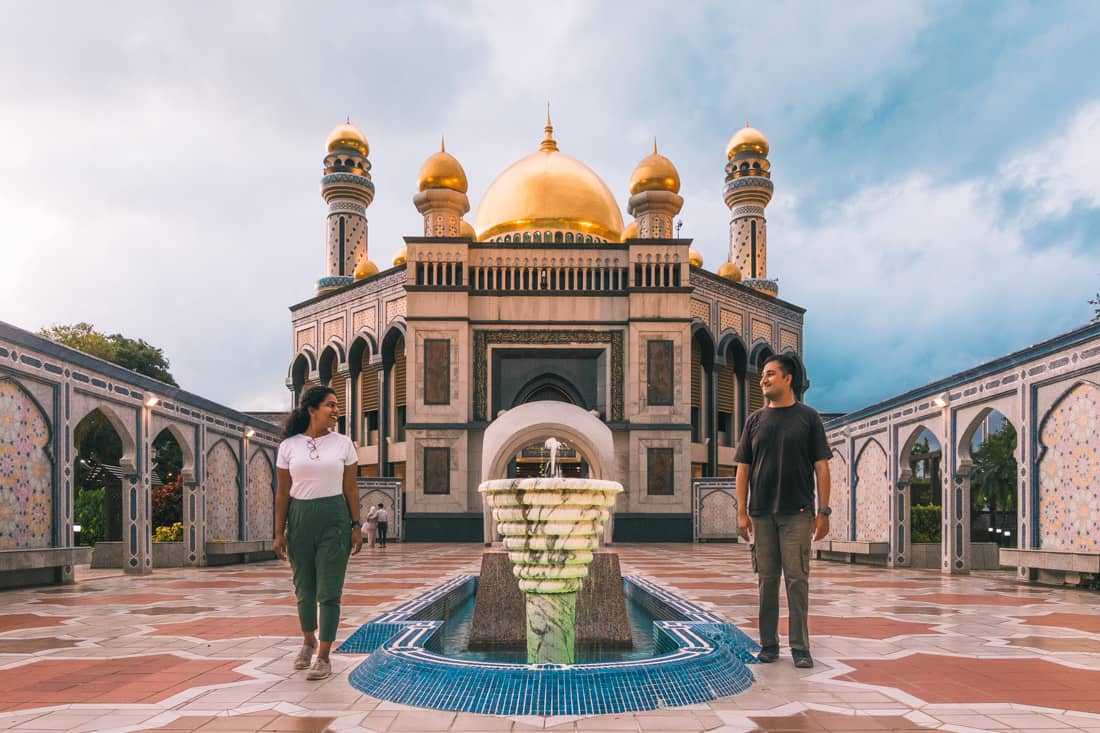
<point>347,189</point>
<point>748,190</point>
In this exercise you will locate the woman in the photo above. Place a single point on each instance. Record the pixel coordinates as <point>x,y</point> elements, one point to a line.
<point>317,520</point>
<point>372,526</point>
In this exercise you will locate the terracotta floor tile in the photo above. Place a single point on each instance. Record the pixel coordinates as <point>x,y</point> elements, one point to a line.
<point>972,599</point>
<point>1078,621</point>
<point>19,621</point>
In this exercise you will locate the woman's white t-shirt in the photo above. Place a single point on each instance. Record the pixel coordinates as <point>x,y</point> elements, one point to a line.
<point>316,465</point>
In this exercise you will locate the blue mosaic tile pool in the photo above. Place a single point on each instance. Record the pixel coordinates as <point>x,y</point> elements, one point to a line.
<point>699,657</point>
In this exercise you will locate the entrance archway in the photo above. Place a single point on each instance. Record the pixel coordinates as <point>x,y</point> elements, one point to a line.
<point>533,423</point>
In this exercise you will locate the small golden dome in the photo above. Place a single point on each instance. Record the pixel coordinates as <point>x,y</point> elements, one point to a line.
<point>441,170</point>
<point>465,229</point>
<point>695,258</point>
<point>401,257</point>
<point>548,190</point>
<point>365,268</point>
<point>747,140</point>
<point>655,172</point>
<point>631,231</point>
<point>347,135</point>
<point>730,271</point>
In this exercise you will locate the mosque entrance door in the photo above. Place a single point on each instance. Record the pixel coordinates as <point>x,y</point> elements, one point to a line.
<point>532,459</point>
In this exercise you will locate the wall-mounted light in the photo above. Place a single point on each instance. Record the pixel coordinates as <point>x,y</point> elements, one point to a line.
<point>942,400</point>
<point>250,433</point>
<point>152,401</point>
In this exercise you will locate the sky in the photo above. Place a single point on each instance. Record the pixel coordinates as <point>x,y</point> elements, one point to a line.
<point>936,164</point>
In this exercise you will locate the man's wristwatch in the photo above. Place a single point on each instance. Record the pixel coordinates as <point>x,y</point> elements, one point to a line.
<point>824,511</point>
<point>356,523</point>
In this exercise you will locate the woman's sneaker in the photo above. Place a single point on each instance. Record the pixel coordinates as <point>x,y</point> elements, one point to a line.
<point>321,669</point>
<point>305,656</point>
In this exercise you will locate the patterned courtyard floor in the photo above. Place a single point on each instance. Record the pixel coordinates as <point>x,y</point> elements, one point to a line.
<point>211,650</point>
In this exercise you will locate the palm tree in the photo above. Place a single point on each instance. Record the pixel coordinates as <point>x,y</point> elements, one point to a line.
<point>993,476</point>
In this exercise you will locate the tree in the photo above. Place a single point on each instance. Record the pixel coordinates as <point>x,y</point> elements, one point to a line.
<point>137,355</point>
<point>1096,302</point>
<point>993,475</point>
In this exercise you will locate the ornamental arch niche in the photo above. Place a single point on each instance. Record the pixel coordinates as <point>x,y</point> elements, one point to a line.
<point>363,401</point>
<point>987,473</point>
<point>732,388</point>
<point>1068,513</point>
<point>26,470</point>
<point>260,497</point>
<point>840,522</point>
<point>872,494</point>
<point>223,492</point>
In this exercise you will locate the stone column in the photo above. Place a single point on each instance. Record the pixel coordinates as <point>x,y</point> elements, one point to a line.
<point>955,545</point>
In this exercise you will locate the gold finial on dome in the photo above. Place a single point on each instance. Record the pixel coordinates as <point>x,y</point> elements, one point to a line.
<point>695,257</point>
<point>347,135</point>
<point>730,271</point>
<point>401,257</point>
<point>365,268</point>
<point>655,172</point>
<point>465,229</point>
<point>631,231</point>
<point>442,170</point>
<point>747,140</point>
<point>549,144</point>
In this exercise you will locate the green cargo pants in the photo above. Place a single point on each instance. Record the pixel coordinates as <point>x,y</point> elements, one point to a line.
<point>318,541</point>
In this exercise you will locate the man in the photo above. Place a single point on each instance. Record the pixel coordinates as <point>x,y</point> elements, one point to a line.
<point>782,450</point>
<point>383,518</point>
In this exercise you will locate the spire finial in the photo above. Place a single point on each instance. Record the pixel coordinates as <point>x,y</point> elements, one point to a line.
<point>746,123</point>
<point>548,142</point>
<point>442,144</point>
<point>347,120</point>
<point>654,144</point>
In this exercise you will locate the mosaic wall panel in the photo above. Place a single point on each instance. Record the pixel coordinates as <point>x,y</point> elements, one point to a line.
<point>1069,492</point>
<point>394,309</point>
<point>839,499</point>
<point>717,514</point>
<point>761,330</point>
<point>222,491</point>
<point>335,327</point>
<point>872,495</point>
<point>306,337</point>
<point>26,472</point>
<point>261,499</point>
<point>364,319</point>
<point>700,309</point>
<point>787,340</point>
<point>731,320</point>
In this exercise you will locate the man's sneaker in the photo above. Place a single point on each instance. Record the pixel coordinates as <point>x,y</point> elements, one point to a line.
<point>320,670</point>
<point>768,654</point>
<point>802,658</point>
<point>305,656</point>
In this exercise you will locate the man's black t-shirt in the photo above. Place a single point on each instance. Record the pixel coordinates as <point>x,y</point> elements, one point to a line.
<point>781,444</point>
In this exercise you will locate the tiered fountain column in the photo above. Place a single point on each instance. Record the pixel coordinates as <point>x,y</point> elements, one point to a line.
<point>551,526</point>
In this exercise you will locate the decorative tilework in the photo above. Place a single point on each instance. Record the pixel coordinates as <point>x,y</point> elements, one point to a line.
<point>261,498</point>
<point>335,327</point>
<point>787,340</point>
<point>1069,493</point>
<point>395,308</point>
<point>731,320</point>
<point>840,523</point>
<point>26,471</point>
<point>222,491</point>
<point>307,337</point>
<point>700,309</point>
<point>701,658</point>
<point>872,495</point>
<point>365,318</point>
<point>761,330</point>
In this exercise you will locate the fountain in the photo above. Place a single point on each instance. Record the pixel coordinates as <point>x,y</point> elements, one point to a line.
<point>551,526</point>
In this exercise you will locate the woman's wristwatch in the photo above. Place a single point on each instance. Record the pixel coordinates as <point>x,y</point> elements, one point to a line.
<point>824,511</point>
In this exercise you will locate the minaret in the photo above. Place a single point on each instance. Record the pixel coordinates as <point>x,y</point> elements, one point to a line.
<point>748,190</point>
<point>347,189</point>
<point>441,197</point>
<point>654,196</point>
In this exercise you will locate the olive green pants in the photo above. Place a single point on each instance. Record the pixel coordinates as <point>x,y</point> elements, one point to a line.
<point>318,541</point>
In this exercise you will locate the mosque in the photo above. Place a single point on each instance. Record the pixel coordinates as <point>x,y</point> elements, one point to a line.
<point>544,315</point>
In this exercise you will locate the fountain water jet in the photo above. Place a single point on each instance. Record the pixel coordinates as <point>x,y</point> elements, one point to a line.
<point>550,526</point>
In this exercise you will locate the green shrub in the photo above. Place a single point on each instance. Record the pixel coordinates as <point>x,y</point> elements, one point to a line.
<point>925,525</point>
<point>169,534</point>
<point>88,513</point>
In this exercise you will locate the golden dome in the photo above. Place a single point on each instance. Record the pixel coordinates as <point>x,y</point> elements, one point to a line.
<point>441,170</point>
<point>747,140</point>
<point>347,135</point>
<point>695,258</point>
<point>730,271</point>
<point>401,257</point>
<point>465,229</point>
<point>631,231</point>
<point>365,268</point>
<point>655,172</point>
<point>548,190</point>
